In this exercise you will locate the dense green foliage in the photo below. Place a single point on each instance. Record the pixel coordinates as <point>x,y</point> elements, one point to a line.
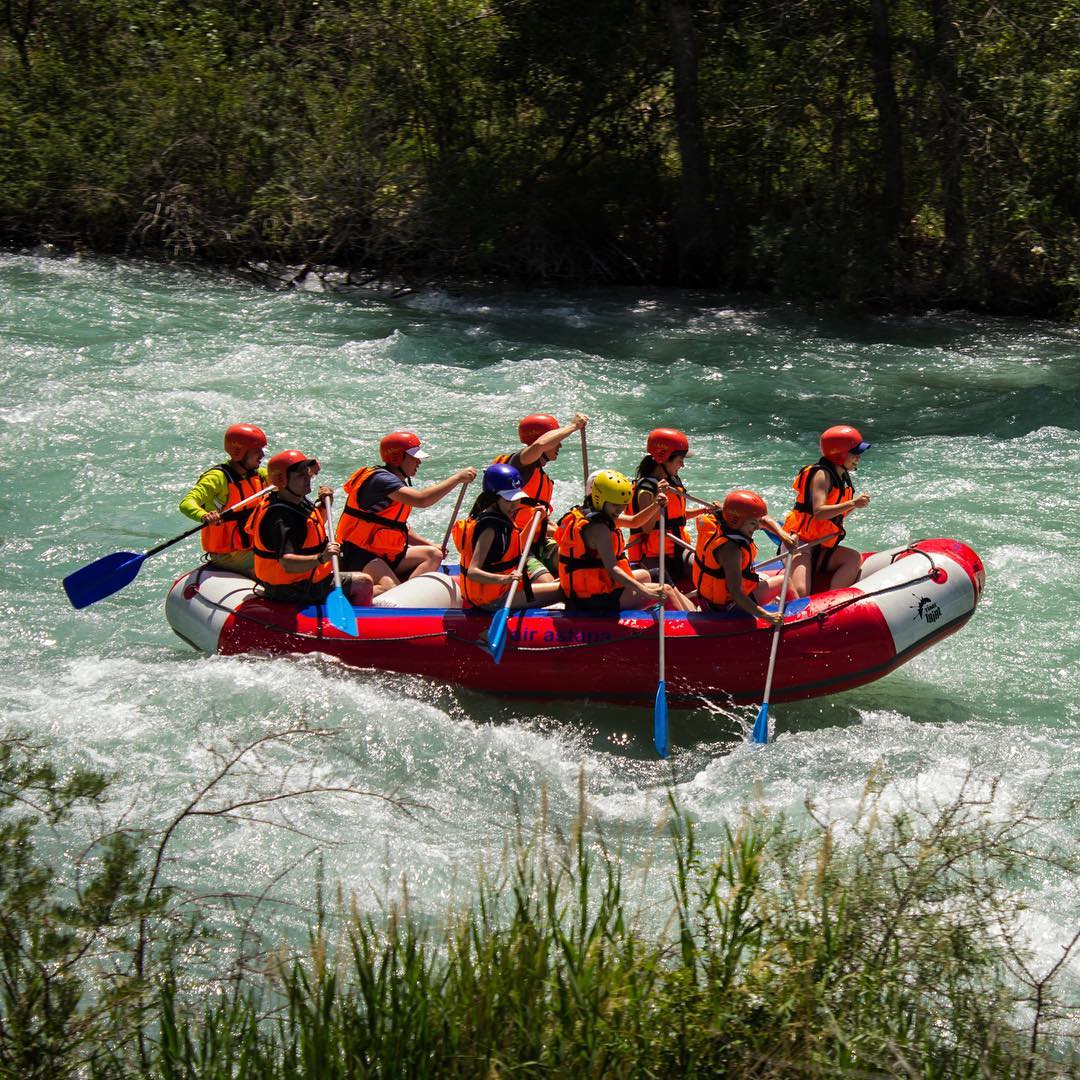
<point>885,151</point>
<point>887,945</point>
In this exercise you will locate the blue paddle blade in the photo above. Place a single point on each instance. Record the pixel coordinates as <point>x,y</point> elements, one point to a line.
<point>660,725</point>
<point>497,634</point>
<point>761,725</point>
<point>102,578</point>
<point>341,614</point>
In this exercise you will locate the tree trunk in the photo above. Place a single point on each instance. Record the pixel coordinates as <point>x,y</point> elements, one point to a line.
<point>951,130</point>
<point>889,123</point>
<point>693,232</point>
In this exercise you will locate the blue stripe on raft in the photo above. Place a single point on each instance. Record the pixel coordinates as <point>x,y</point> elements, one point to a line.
<point>794,607</point>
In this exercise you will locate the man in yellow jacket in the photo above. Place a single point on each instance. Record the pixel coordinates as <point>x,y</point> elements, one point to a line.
<point>225,538</point>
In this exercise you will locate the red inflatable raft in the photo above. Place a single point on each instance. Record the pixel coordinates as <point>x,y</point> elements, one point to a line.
<point>905,601</point>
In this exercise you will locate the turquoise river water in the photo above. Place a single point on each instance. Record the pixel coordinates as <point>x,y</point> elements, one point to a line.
<point>118,380</point>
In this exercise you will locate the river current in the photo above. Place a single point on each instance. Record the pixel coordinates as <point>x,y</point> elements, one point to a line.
<point>119,378</point>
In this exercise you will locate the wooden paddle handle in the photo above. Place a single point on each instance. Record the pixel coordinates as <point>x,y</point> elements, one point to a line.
<point>453,517</point>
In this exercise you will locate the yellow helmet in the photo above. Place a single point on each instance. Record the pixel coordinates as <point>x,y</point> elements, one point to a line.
<point>609,486</point>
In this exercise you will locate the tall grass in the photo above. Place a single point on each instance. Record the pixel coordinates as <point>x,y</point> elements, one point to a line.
<point>888,944</point>
<point>785,953</point>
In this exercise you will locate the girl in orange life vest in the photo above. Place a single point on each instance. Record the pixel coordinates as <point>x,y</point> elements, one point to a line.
<point>594,572</point>
<point>725,555</point>
<point>666,451</point>
<point>825,495</point>
<point>372,527</point>
<point>225,539</point>
<point>292,551</point>
<point>542,436</point>
<point>490,546</point>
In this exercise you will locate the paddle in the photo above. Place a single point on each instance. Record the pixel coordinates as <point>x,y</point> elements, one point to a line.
<point>497,630</point>
<point>453,518</point>
<point>584,459</point>
<point>701,502</point>
<point>761,725</point>
<point>660,715</point>
<point>758,565</point>
<point>111,573</point>
<point>338,609</point>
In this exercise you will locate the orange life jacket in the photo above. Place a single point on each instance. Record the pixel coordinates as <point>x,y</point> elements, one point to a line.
<point>382,532</point>
<point>232,534</point>
<point>646,544</point>
<point>538,490</point>
<point>268,567</point>
<point>581,573</point>
<point>502,557</point>
<point>710,577</point>
<point>801,519</point>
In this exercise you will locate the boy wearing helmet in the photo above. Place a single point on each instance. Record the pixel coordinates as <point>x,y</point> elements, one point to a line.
<point>373,530</point>
<point>666,451</point>
<point>225,538</point>
<point>594,572</point>
<point>491,544</point>
<point>542,437</point>
<point>724,558</point>
<point>293,554</point>
<point>825,495</point>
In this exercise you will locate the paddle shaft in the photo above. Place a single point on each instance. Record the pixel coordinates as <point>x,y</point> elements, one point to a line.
<point>205,524</point>
<point>328,503</point>
<point>660,616</point>
<point>453,517</point>
<point>584,459</point>
<point>764,562</point>
<point>537,514</point>
<point>788,559</point>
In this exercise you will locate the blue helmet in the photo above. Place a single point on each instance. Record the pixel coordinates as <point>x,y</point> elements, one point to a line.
<point>503,480</point>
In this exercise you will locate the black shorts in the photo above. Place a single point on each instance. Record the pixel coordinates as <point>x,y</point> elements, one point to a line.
<point>354,558</point>
<point>304,594</point>
<point>605,603</point>
<point>720,609</point>
<point>677,567</point>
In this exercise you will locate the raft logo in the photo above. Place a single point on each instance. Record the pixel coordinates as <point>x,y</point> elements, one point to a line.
<point>927,610</point>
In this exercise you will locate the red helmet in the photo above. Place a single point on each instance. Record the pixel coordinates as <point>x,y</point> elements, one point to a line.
<point>240,438</point>
<point>397,444</point>
<point>741,505</point>
<point>839,441</point>
<point>665,442</point>
<point>279,465</point>
<point>532,427</point>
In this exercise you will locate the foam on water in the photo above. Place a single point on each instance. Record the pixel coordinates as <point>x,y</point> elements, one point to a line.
<point>122,376</point>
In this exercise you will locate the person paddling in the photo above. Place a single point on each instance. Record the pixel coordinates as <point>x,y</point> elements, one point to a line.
<point>725,553</point>
<point>666,451</point>
<point>824,496</point>
<point>491,544</point>
<point>293,554</point>
<point>226,539</point>
<point>543,437</point>
<point>594,572</point>
<point>373,525</point>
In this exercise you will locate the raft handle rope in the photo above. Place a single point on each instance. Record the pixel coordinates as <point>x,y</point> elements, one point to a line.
<point>647,631</point>
<point>239,613</point>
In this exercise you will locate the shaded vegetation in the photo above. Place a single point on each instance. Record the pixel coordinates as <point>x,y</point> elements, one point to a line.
<point>886,945</point>
<point>881,151</point>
